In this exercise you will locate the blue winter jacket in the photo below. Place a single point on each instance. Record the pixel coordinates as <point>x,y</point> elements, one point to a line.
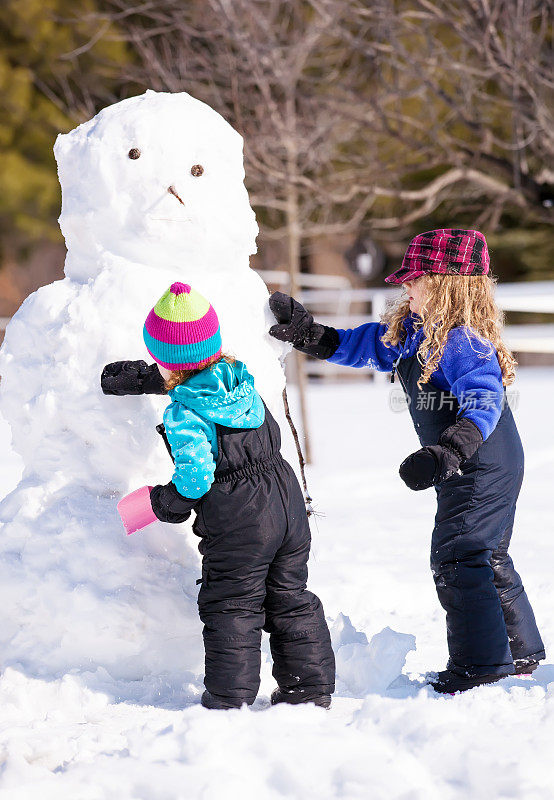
<point>469,367</point>
<point>224,394</point>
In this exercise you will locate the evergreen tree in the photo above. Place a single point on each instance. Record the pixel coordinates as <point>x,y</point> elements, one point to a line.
<point>52,54</point>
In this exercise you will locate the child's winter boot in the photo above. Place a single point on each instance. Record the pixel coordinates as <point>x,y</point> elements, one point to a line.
<point>296,696</point>
<point>216,701</point>
<point>525,666</point>
<point>449,682</point>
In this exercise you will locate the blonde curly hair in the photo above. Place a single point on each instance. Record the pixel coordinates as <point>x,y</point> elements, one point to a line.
<point>180,376</point>
<point>452,301</point>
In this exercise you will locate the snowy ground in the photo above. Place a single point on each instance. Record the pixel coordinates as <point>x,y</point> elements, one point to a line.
<point>86,737</point>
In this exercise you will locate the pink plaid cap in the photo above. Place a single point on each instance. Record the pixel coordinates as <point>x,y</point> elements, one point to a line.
<point>449,251</point>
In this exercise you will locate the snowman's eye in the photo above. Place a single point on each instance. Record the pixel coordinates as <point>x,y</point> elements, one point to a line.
<point>197,170</point>
<point>134,153</point>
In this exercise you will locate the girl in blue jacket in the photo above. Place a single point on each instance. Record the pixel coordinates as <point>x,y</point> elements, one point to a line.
<point>444,343</point>
<point>250,513</point>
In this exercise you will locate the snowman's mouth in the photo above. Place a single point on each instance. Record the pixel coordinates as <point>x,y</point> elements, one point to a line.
<point>168,219</point>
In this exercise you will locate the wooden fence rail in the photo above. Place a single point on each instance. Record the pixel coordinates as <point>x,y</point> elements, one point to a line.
<point>337,303</point>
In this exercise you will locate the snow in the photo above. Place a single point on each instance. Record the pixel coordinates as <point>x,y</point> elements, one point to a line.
<point>101,645</point>
<point>89,732</point>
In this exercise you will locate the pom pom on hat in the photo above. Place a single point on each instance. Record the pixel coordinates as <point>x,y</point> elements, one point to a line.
<point>182,330</point>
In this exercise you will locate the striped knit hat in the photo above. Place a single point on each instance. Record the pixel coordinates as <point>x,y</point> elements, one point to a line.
<point>182,330</point>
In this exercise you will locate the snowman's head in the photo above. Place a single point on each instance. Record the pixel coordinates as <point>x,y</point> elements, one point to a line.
<point>157,179</point>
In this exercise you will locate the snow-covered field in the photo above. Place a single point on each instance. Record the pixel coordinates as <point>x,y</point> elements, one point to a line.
<point>88,735</point>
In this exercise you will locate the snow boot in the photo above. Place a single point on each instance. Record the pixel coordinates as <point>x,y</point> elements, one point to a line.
<point>295,697</point>
<point>216,701</point>
<point>525,666</point>
<point>448,682</point>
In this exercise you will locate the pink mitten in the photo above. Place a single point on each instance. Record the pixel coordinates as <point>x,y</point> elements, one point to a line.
<point>135,510</point>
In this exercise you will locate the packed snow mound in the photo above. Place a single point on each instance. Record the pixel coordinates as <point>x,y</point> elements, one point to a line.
<point>116,169</point>
<point>74,591</point>
<point>368,667</point>
<point>89,737</point>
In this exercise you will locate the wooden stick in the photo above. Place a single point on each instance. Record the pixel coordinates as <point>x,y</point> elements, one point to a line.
<point>307,498</point>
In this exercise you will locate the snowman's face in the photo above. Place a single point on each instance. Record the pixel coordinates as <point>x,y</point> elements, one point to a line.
<point>157,179</point>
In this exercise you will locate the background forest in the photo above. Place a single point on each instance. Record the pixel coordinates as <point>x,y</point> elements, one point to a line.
<point>362,120</point>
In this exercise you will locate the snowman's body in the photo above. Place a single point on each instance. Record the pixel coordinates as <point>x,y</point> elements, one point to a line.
<point>152,193</point>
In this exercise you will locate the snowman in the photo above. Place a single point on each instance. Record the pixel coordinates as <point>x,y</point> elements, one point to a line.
<point>152,192</point>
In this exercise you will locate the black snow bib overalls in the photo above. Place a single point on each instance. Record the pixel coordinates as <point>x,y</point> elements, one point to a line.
<point>255,542</point>
<point>489,620</point>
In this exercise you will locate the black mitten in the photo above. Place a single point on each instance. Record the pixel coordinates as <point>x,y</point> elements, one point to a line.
<point>169,505</point>
<point>132,377</point>
<point>296,325</point>
<point>428,466</point>
<point>436,463</point>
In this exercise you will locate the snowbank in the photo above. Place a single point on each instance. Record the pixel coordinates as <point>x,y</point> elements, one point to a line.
<point>94,734</point>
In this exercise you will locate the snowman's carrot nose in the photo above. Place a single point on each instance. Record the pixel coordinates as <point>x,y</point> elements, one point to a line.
<point>173,191</point>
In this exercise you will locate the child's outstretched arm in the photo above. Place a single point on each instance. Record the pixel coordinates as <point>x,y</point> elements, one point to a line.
<point>189,437</point>
<point>132,377</point>
<point>358,347</point>
<point>362,347</point>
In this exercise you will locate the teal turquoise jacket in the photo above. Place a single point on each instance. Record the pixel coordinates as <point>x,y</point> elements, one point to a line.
<point>223,395</point>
